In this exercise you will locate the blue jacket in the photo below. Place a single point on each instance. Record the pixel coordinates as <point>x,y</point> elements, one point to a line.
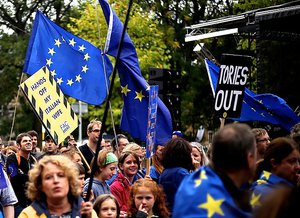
<point>170,179</point>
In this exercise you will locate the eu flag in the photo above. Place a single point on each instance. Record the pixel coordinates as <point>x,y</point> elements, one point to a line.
<point>77,66</point>
<point>135,89</point>
<point>3,183</point>
<point>202,194</point>
<point>259,107</point>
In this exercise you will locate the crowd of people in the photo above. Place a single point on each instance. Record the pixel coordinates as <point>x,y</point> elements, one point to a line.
<point>243,173</point>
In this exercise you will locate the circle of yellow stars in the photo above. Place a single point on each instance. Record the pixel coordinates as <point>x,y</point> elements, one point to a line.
<point>52,51</point>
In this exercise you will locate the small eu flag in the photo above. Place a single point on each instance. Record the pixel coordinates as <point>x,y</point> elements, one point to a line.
<point>78,67</point>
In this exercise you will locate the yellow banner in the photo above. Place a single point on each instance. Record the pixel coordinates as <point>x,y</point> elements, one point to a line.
<point>50,105</point>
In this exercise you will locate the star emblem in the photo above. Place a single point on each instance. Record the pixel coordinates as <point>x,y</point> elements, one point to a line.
<point>57,42</point>
<point>72,42</point>
<point>53,73</point>
<point>148,88</point>
<point>84,68</point>
<point>255,200</point>
<point>78,78</point>
<point>70,82</point>
<point>266,175</point>
<point>59,81</point>
<point>139,95</point>
<point>125,90</point>
<point>86,57</point>
<point>49,62</point>
<point>201,177</point>
<point>81,48</point>
<point>51,51</point>
<point>212,206</point>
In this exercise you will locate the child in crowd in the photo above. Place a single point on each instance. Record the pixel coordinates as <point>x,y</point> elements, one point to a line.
<point>106,206</point>
<point>147,199</point>
<point>106,167</point>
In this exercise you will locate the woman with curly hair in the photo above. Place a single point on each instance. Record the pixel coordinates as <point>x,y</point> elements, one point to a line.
<point>147,199</point>
<point>54,189</point>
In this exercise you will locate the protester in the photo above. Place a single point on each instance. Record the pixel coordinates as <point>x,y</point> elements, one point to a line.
<point>106,165</point>
<point>156,168</point>
<point>280,167</point>
<point>199,157</point>
<point>128,165</point>
<point>262,141</point>
<point>73,154</point>
<point>17,167</point>
<point>9,150</point>
<point>147,199</point>
<point>177,162</point>
<point>34,137</point>
<point>219,189</point>
<point>88,150</point>
<point>119,143</point>
<point>54,189</point>
<point>50,147</point>
<point>7,196</point>
<point>106,206</point>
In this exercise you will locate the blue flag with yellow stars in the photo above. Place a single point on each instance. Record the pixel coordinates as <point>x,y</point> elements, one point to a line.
<point>264,186</point>
<point>202,194</point>
<point>76,65</point>
<point>259,107</point>
<point>134,87</point>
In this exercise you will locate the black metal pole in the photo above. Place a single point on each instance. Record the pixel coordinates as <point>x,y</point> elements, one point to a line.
<point>98,148</point>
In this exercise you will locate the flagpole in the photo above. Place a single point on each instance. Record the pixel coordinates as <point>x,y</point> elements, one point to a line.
<point>98,148</point>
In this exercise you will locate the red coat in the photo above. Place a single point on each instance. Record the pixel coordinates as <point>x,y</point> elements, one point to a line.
<point>120,188</point>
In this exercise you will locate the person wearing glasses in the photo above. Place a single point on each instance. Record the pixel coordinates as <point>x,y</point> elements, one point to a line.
<point>262,141</point>
<point>88,150</point>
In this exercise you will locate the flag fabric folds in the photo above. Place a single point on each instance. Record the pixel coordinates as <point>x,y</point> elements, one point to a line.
<point>3,183</point>
<point>134,87</point>
<point>202,194</point>
<point>259,107</point>
<point>76,65</point>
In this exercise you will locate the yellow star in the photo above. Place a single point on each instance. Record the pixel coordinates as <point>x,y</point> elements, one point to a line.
<point>266,175</point>
<point>262,114</point>
<point>125,90</point>
<point>59,81</point>
<point>86,57</point>
<point>148,88</point>
<point>70,82</point>
<point>57,42</point>
<point>84,68</point>
<point>255,200</point>
<point>253,109</point>
<point>260,101</point>
<point>49,62</point>
<point>212,206</point>
<point>259,182</point>
<point>72,42</point>
<point>139,95</point>
<point>53,73</point>
<point>201,177</point>
<point>51,51</point>
<point>78,78</point>
<point>81,48</point>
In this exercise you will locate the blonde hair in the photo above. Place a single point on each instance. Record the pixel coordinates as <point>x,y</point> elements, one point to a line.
<point>132,147</point>
<point>34,191</point>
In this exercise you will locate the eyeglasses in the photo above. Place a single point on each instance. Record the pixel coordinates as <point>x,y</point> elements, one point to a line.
<point>96,130</point>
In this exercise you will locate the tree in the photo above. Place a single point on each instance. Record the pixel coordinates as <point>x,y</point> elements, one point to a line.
<point>16,20</point>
